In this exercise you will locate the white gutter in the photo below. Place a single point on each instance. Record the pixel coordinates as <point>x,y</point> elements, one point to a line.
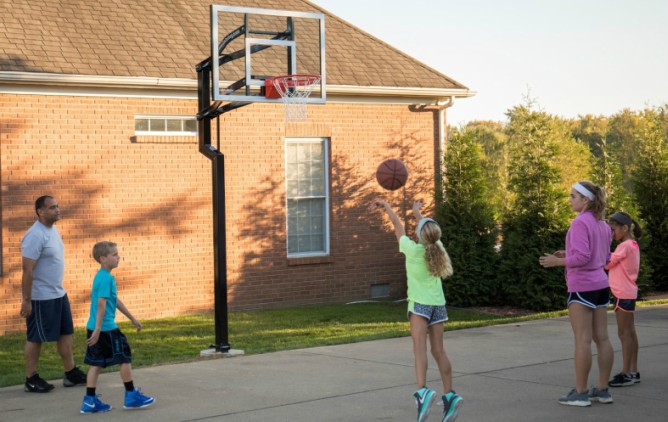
<point>429,95</point>
<point>442,135</point>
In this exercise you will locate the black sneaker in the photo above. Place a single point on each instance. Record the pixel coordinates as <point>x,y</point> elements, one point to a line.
<point>35,384</point>
<point>74,377</point>
<point>635,376</point>
<point>620,380</point>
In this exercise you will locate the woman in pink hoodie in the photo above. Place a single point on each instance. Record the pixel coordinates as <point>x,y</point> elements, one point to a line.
<point>623,272</point>
<point>587,252</point>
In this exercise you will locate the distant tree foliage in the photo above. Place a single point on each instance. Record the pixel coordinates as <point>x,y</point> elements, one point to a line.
<point>467,218</point>
<point>537,221</point>
<point>528,166</point>
<point>650,184</point>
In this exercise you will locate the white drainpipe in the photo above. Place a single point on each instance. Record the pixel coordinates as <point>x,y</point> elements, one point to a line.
<point>442,134</point>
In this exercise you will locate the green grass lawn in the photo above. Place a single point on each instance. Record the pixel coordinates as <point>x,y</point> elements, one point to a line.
<point>181,339</point>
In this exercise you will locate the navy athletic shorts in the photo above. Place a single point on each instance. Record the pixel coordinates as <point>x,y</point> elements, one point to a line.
<point>49,320</point>
<point>593,299</point>
<point>625,305</point>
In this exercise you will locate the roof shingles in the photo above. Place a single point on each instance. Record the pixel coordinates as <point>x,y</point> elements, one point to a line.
<point>166,38</point>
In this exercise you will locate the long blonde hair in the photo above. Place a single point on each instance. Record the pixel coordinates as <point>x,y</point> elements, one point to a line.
<point>435,254</point>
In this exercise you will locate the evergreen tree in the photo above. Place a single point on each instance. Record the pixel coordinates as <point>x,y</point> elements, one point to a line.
<point>468,224</point>
<point>650,181</point>
<point>494,161</point>
<point>538,219</point>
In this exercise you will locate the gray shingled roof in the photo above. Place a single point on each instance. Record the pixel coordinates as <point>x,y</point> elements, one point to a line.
<point>166,38</point>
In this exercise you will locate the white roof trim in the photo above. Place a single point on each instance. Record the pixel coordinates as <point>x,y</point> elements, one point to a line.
<point>8,80</point>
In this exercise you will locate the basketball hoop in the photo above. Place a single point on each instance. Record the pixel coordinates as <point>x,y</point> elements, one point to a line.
<point>294,90</point>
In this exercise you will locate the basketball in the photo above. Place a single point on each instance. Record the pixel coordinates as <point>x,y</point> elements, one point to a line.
<point>392,174</point>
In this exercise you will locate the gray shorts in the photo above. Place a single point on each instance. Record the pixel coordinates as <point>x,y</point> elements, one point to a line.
<point>432,313</point>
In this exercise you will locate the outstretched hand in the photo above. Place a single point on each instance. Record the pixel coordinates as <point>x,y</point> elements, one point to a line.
<point>377,203</point>
<point>549,260</point>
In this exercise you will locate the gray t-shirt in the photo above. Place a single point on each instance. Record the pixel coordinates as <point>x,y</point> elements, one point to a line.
<point>44,245</point>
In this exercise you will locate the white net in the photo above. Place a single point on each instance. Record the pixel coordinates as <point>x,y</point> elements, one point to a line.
<point>295,90</point>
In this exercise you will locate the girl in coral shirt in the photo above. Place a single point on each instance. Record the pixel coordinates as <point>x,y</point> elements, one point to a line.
<point>623,273</point>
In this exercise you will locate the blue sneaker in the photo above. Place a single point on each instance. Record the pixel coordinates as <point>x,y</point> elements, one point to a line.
<point>424,398</point>
<point>451,403</point>
<point>91,404</point>
<point>136,400</point>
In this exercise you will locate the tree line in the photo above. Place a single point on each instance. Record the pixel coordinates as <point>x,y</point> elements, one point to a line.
<point>504,198</point>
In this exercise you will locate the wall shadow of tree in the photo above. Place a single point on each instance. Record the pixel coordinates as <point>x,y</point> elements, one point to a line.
<point>363,248</point>
<point>84,224</point>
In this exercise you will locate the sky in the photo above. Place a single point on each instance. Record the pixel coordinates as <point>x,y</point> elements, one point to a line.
<point>572,57</point>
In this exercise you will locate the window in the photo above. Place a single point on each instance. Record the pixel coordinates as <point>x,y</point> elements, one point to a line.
<point>307,184</point>
<point>165,125</point>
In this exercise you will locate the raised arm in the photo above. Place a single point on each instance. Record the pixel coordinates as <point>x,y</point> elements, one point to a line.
<point>398,227</point>
<point>416,210</point>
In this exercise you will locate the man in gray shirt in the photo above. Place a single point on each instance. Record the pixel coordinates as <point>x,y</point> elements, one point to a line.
<point>45,304</point>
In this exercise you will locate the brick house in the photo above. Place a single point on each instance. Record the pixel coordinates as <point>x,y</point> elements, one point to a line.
<point>83,87</point>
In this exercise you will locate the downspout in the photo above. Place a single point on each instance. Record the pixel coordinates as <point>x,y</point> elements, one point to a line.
<point>442,144</point>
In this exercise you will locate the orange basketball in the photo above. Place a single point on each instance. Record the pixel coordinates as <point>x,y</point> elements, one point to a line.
<point>392,174</point>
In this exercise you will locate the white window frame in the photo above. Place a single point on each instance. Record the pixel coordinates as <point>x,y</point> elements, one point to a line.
<point>326,190</point>
<point>164,132</point>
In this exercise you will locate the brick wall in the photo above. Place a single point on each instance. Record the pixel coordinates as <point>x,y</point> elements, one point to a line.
<point>152,195</point>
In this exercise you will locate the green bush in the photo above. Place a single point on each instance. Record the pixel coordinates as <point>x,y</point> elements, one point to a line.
<point>467,219</point>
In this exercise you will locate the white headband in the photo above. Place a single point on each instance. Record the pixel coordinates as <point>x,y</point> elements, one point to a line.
<point>421,224</point>
<point>584,191</point>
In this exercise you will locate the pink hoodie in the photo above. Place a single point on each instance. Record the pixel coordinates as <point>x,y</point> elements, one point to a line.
<point>623,270</point>
<point>587,252</point>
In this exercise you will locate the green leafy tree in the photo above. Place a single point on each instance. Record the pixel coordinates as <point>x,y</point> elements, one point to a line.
<point>494,161</point>
<point>466,216</point>
<point>539,216</point>
<point>650,182</point>
<point>607,172</point>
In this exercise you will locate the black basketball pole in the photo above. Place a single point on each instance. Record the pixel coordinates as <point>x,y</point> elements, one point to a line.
<point>206,113</point>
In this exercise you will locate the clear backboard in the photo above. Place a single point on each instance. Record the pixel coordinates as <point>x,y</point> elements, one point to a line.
<point>254,44</point>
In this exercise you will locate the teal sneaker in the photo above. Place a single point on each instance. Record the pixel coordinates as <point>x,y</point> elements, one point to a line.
<point>91,404</point>
<point>136,400</point>
<point>451,404</point>
<point>424,398</point>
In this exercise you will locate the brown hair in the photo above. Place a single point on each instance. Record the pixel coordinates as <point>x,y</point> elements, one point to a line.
<point>437,258</point>
<point>598,205</point>
<point>102,249</point>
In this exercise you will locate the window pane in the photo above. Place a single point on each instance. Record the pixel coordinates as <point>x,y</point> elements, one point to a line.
<point>141,125</point>
<point>157,125</point>
<point>173,125</point>
<point>190,125</point>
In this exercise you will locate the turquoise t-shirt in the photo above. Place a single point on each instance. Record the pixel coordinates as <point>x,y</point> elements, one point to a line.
<point>423,287</point>
<point>104,286</point>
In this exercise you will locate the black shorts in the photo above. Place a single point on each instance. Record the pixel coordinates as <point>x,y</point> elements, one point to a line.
<point>49,320</point>
<point>593,299</point>
<point>625,305</point>
<point>112,348</point>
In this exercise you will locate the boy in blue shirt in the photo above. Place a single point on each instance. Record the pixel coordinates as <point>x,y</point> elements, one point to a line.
<point>107,345</point>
